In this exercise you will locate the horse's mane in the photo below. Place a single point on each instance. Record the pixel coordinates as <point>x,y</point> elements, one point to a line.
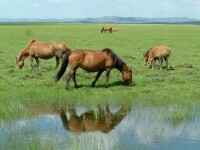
<point>147,52</point>
<point>118,62</point>
<point>23,52</point>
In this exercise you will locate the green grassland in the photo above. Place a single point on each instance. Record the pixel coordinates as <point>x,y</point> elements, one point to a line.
<point>21,89</point>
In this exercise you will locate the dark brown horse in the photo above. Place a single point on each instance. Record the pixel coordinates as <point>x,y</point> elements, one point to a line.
<point>36,49</point>
<point>93,61</point>
<point>106,28</point>
<point>91,121</point>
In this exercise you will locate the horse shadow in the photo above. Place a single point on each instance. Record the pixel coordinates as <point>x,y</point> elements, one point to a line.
<point>102,120</point>
<point>113,84</point>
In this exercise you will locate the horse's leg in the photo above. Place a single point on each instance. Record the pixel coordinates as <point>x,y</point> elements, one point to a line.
<point>37,61</point>
<point>152,64</point>
<point>64,119</point>
<point>97,77</point>
<point>31,61</point>
<point>74,79</point>
<point>57,62</point>
<point>161,62</point>
<point>107,76</point>
<point>166,63</point>
<point>68,80</point>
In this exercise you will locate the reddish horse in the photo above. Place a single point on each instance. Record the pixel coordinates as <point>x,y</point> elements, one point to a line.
<point>91,121</point>
<point>94,61</point>
<point>106,28</point>
<point>36,49</point>
<point>157,53</point>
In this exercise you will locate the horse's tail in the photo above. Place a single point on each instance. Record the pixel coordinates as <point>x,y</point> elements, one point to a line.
<point>66,49</point>
<point>102,29</point>
<point>110,30</point>
<point>63,66</point>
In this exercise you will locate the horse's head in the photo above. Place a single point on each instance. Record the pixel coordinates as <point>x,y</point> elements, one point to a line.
<point>19,62</point>
<point>127,76</point>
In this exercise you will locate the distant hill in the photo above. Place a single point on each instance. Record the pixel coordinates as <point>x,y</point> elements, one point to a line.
<point>113,19</point>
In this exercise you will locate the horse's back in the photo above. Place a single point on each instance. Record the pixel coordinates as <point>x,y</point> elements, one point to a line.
<point>89,60</point>
<point>47,50</point>
<point>160,51</point>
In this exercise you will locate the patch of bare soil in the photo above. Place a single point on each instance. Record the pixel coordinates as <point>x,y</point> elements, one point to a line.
<point>128,57</point>
<point>34,75</point>
<point>185,65</point>
<point>11,71</point>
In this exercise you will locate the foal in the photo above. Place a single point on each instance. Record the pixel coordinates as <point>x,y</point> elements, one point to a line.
<point>157,53</point>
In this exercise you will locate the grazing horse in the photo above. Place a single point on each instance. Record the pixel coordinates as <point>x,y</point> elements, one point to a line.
<point>157,53</point>
<point>36,49</point>
<point>93,61</point>
<point>91,121</point>
<point>106,28</point>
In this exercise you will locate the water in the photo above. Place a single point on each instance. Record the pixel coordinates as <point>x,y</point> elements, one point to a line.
<point>122,127</point>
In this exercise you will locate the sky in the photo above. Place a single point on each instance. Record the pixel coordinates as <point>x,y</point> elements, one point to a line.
<point>59,9</point>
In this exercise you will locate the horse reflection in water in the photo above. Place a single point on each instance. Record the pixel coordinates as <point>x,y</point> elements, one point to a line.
<point>92,121</point>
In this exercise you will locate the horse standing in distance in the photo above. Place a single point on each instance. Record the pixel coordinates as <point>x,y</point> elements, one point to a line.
<point>103,120</point>
<point>106,28</point>
<point>93,61</point>
<point>157,53</point>
<point>36,49</point>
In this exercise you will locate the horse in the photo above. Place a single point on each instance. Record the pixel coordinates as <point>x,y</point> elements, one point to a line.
<point>36,49</point>
<point>106,28</point>
<point>93,61</point>
<point>91,121</point>
<point>157,53</point>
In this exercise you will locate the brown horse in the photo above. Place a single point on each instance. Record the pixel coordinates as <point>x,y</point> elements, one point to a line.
<point>106,28</point>
<point>93,61</point>
<point>157,53</point>
<point>36,49</point>
<point>91,121</point>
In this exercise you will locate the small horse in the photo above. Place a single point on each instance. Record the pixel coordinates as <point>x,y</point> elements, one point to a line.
<point>91,121</point>
<point>36,49</point>
<point>157,53</point>
<point>93,61</point>
<point>106,28</point>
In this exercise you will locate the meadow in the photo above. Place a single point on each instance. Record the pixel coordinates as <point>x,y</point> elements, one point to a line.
<point>21,90</point>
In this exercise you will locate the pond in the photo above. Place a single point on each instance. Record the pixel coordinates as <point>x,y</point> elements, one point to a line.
<point>108,127</point>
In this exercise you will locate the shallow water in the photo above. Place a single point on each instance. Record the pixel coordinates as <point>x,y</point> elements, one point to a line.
<point>135,128</point>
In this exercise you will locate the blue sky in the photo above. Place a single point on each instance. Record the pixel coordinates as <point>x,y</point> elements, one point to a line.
<point>98,8</point>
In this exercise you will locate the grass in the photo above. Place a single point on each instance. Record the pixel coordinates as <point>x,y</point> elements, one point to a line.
<point>29,87</point>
